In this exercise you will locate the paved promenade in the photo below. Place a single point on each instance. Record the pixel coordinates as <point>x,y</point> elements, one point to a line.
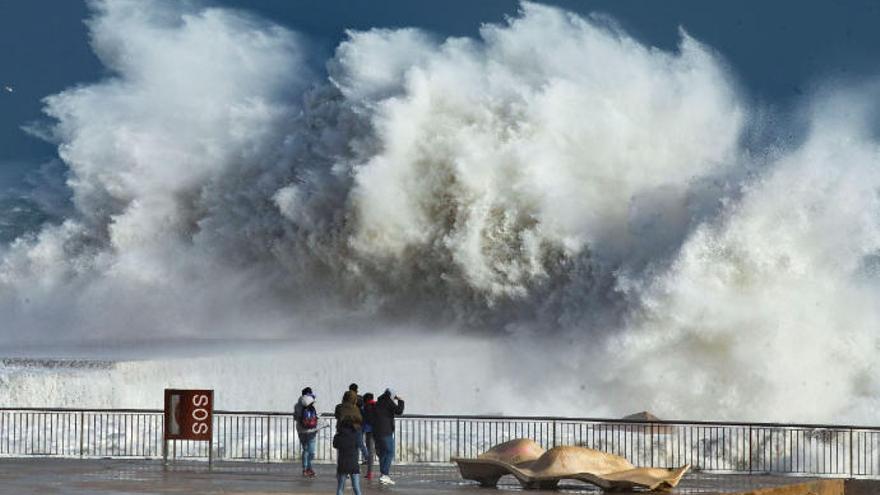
<point>116,477</point>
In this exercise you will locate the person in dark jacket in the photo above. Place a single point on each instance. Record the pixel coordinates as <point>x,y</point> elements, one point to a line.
<point>369,414</point>
<point>360,403</point>
<point>348,411</point>
<point>345,442</point>
<point>360,400</point>
<point>388,406</point>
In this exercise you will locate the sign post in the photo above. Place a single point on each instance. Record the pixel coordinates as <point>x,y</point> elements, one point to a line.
<point>189,415</point>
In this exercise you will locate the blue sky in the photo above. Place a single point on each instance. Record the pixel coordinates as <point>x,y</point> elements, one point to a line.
<point>779,50</point>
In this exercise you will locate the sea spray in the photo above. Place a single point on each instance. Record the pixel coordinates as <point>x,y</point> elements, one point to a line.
<point>579,199</point>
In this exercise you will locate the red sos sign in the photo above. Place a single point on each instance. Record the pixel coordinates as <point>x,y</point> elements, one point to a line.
<point>189,414</point>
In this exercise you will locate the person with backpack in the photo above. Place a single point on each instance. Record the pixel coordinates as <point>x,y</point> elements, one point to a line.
<point>345,443</point>
<point>388,406</point>
<point>369,414</point>
<point>306,417</point>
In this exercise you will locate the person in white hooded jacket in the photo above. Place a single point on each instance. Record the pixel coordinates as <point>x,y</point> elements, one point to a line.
<point>306,417</point>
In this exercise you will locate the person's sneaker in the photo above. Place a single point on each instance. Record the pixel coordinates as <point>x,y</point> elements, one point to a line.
<point>369,476</point>
<point>386,480</point>
<point>311,473</point>
<point>305,473</point>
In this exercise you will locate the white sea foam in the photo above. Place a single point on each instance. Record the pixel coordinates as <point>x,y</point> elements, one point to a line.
<point>579,200</point>
<point>268,376</point>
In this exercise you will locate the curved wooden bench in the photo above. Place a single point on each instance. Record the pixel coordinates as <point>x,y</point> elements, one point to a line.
<point>535,468</point>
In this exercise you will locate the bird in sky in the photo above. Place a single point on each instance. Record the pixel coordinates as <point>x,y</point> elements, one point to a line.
<point>8,89</point>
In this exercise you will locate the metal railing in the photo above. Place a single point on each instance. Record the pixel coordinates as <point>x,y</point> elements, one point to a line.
<point>798,449</point>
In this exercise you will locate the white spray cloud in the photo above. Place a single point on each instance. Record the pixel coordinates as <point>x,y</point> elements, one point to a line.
<point>196,99</point>
<point>771,311</point>
<point>498,155</point>
<point>553,179</point>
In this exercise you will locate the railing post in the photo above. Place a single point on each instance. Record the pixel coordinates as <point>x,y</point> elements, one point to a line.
<point>750,448</point>
<point>457,437</point>
<point>770,468</point>
<point>851,458</point>
<point>164,444</point>
<point>554,433</point>
<point>82,428</point>
<point>268,438</point>
<point>651,444</point>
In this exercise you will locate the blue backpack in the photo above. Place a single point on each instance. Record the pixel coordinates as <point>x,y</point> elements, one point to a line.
<point>309,419</point>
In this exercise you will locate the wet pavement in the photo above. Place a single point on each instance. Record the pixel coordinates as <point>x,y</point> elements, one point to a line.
<point>137,477</point>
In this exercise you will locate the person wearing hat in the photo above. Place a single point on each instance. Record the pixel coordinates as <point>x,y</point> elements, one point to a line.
<point>388,406</point>
<point>306,417</point>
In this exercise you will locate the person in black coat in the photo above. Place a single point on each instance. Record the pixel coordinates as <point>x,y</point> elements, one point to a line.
<point>361,443</point>
<point>346,444</point>
<point>388,406</point>
<point>369,418</point>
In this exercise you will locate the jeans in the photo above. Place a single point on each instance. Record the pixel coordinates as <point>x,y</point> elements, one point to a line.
<point>308,448</point>
<point>371,449</point>
<point>386,453</point>
<point>355,483</point>
<point>362,446</point>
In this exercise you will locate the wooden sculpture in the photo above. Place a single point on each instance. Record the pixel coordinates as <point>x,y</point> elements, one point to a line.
<point>536,468</point>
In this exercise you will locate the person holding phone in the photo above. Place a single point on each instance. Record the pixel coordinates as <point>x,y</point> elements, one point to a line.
<point>388,406</point>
